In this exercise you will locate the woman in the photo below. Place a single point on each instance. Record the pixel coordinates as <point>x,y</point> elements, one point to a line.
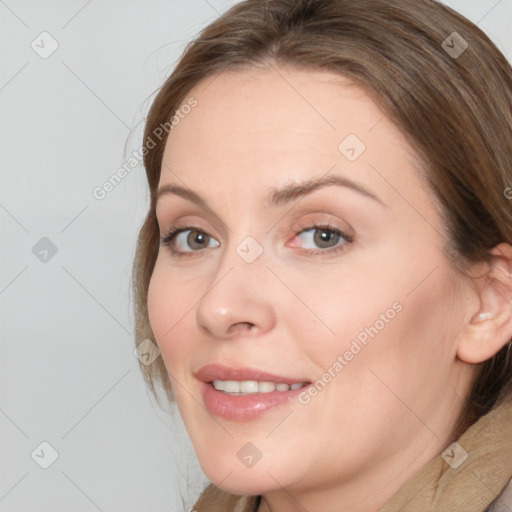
<point>326,261</point>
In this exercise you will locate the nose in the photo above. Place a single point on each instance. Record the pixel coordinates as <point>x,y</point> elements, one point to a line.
<point>240,299</point>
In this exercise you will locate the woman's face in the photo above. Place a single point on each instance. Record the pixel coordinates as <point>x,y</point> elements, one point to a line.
<point>364,310</point>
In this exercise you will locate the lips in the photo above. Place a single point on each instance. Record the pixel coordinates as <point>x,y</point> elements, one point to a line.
<point>243,407</point>
<point>212,372</point>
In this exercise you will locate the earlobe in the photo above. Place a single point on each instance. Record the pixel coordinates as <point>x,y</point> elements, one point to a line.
<point>490,328</point>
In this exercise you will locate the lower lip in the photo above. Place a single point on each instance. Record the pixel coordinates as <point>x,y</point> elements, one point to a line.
<point>244,407</point>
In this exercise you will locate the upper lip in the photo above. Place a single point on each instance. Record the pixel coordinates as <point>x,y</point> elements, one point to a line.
<point>212,372</point>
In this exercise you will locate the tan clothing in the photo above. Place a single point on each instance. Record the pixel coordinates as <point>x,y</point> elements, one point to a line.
<point>473,485</point>
<point>476,483</point>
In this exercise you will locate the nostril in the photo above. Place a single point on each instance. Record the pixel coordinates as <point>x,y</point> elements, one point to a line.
<point>242,326</point>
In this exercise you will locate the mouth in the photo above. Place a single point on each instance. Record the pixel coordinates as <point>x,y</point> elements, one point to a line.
<point>243,394</point>
<point>250,387</point>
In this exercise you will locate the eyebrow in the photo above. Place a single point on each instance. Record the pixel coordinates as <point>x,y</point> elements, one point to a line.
<point>281,196</point>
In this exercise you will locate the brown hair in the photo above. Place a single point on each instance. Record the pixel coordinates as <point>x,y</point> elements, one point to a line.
<point>456,111</point>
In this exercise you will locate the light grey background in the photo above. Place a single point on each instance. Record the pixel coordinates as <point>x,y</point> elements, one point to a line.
<point>68,376</point>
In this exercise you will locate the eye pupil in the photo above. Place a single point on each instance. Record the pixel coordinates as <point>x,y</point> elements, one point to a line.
<point>323,236</point>
<point>197,237</point>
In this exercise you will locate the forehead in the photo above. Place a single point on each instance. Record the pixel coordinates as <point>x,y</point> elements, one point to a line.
<point>277,124</point>
<point>262,104</point>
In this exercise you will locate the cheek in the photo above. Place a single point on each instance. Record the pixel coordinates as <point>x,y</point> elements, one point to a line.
<point>392,347</point>
<point>345,306</point>
<point>383,315</point>
<point>158,305</point>
<point>170,313</point>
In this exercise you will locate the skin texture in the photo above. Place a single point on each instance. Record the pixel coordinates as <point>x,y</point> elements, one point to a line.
<point>292,311</point>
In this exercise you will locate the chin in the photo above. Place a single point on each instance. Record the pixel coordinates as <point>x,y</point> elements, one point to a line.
<point>233,477</point>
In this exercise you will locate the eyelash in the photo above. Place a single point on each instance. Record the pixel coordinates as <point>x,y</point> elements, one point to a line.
<point>169,238</point>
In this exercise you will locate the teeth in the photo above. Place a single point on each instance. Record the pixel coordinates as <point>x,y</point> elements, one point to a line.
<point>247,387</point>
<point>266,387</point>
<point>231,386</point>
<point>218,384</point>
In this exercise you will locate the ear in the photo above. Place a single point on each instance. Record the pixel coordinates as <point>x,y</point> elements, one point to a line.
<point>490,328</point>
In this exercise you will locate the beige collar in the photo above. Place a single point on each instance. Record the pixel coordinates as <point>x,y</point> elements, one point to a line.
<point>470,486</point>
